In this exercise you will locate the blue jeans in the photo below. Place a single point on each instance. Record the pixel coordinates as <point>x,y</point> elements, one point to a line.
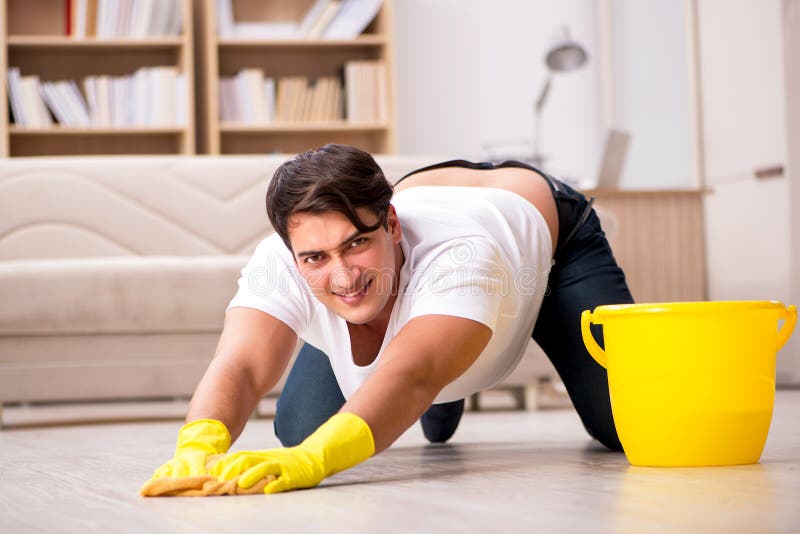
<point>584,275</point>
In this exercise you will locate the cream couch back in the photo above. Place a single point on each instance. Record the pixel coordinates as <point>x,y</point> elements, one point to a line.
<point>79,207</point>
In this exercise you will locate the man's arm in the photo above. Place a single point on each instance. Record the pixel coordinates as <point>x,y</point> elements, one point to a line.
<point>252,354</point>
<point>428,353</point>
<point>415,367</point>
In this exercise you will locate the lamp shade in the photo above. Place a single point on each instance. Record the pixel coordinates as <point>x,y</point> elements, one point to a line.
<point>566,56</point>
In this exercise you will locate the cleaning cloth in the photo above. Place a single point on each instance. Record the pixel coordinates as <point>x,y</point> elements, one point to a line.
<point>201,485</point>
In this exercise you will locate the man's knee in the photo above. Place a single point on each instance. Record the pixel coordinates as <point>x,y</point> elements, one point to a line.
<point>287,429</point>
<point>292,422</point>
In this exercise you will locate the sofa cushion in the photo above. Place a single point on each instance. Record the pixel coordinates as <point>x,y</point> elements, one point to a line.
<point>150,294</point>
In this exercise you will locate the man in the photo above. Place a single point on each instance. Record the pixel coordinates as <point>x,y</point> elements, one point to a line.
<point>409,300</point>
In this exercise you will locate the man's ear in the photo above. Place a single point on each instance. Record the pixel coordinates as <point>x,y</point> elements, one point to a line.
<point>393,223</point>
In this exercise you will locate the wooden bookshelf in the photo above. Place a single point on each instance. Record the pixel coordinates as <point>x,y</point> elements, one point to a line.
<point>32,38</point>
<point>218,57</point>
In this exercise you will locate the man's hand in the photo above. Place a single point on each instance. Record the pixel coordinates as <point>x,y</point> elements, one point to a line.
<point>196,442</point>
<point>293,467</point>
<point>342,442</point>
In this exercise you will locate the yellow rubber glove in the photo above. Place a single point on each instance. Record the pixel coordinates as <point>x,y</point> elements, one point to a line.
<point>196,442</point>
<point>342,442</point>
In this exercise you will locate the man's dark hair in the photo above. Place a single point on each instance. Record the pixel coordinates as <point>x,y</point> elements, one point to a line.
<point>330,178</point>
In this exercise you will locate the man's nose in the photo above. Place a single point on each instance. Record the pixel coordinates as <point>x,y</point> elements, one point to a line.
<point>344,275</point>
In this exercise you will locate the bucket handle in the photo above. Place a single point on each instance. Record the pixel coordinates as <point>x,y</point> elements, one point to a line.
<point>786,330</point>
<point>591,345</point>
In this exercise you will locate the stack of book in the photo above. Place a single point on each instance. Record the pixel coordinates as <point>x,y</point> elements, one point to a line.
<point>123,19</point>
<point>151,97</point>
<point>251,98</point>
<point>302,101</point>
<point>367,90</point>
<point>326,19</point>
<point>247,98</point>
<point>27,106</point>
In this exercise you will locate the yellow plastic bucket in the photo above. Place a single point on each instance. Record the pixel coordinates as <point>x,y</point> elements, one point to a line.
<point>691,383</point>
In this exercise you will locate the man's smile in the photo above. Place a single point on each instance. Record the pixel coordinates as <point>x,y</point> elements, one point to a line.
<point>354,294</point>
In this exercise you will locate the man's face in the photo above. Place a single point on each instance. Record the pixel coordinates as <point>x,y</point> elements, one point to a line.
<point>351,273</point>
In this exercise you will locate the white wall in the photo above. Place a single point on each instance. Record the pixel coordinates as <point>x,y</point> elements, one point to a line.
<point>468,71</point>
<point>748,221</point>
<point>791,12</point>
<point>650,89</point>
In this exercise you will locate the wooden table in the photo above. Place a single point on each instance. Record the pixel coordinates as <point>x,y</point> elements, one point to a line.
<point>658,238</point>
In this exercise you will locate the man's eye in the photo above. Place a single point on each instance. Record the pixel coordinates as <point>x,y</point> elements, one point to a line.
<point>358,242</point>
<point>312,259</point>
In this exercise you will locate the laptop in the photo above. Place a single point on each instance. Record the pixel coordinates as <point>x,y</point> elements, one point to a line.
<point>614,154</point>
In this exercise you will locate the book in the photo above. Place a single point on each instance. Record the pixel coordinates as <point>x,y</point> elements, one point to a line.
<point>123,18</point>
<point>15,96</point>
<point>161,89</point>
<point>352,19</point>
<point>253,93</point>
<point>108,11</point>
<point>223,107</point>
<point>140,18</point>
<point>68,18</point>
<point>382,92</point>
<point>78,15</point>
<point>56,108</point>
<point>327,15</point>
<point>90,89</point>
<point>104,85</point>
<point>227,100</point>
<point>225,23</point>
<point>74,95</point>
<point>176,27</point>
<point>265,30</point>
<point>119,116</point>
<point>311,17</point>
<point>245,104</point>
<point>307,102</point>
<point>159,20</point>
<point>366,91</point>
<point>91,18</point>
<point>281,100</point>
<point>36,114</point>
<point>336,102</point>
<point>269,96</point>
<point>316,111</point>
<point>181,103</point>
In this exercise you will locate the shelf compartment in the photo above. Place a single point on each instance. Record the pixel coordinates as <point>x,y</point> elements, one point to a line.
<point>273,141</point>
<point>83,61</point>
<point>96,143</point>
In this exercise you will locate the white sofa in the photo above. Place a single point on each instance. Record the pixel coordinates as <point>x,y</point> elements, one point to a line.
<point>115,271</point>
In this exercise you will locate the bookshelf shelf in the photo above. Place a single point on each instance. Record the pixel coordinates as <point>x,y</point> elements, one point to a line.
<point>365,41</point>
<point>227,127</point>
<point>63,131</point>
<point>66,44</point>
<point>281,59</point>
<point>34,38</point>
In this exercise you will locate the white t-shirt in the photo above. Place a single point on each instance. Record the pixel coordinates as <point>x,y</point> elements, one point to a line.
<point>479,253</point>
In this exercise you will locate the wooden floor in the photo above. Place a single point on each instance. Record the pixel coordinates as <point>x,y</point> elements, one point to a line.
<point>503,472</point>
